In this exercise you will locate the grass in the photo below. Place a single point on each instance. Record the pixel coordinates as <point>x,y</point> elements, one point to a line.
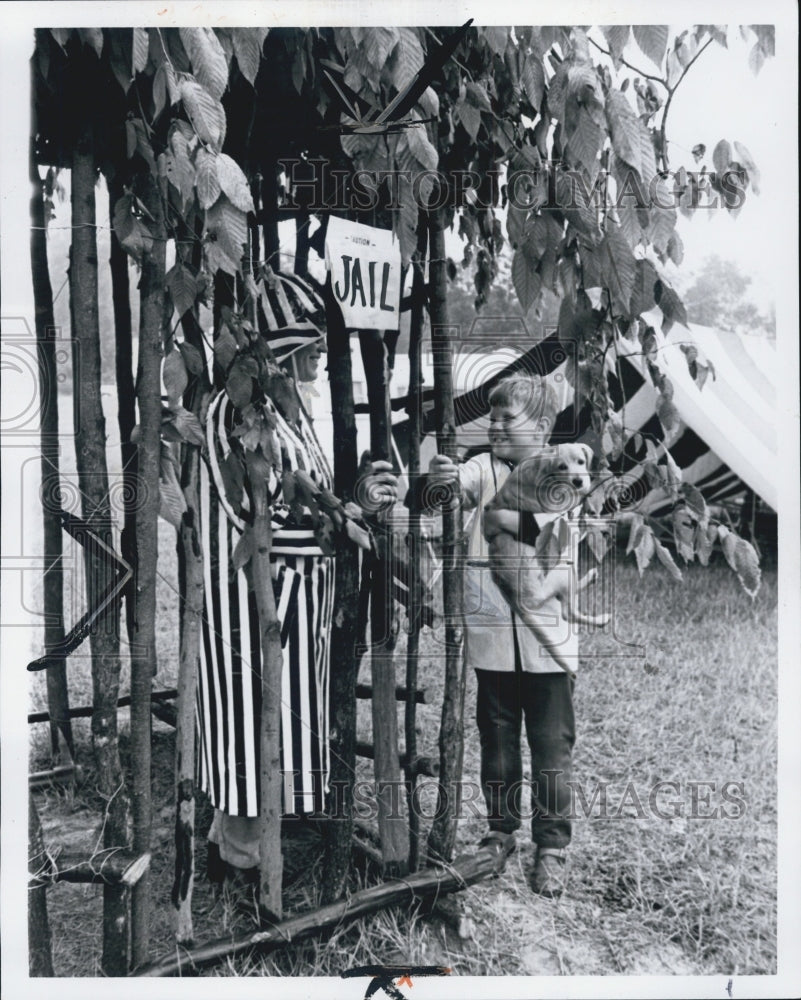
<point>647,894</point>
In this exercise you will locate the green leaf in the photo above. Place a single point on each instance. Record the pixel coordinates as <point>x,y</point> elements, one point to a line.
<point>624,129</point>
<point>141,47</point>
<point>745,158</point>
<point>180,172</point>
<point>635,527</point>
<point>193,359</point>
<point>172,503</point>
<point>668,415</point>
<point>667,560</point>
<point>642,294</point>
<point>207,57</point>
<point>225,349</point>
<point>248,45</point>
<point>174,375</point>
<point>133,235</point>
<point>408,58</point>
<point>186,424</point>
<point>420,148</point>
<point>618,269</point>
<point>93,37</point>
<point>525,278</point>
<point>476,94</point>
<point>571,200</point>
<point>182,285</point>
<point>429,102</point>
<point>675,248</point>
<point>497,38</point>
<point>644,548</point>
<point>243,550</point>
<point>207,180</point>
<point>378,43</point>
<point>234,183</point>
<point>470,118</point>
<point>533,80</point>
<point>663,220</point>
<point>205,113</point>
<point>694,499</point>
<point>617,37</point>
<point>585,137</point>
<point>239,384</point>
<point>653,40</point>
<point>721,156</point>
<point>671,305</point>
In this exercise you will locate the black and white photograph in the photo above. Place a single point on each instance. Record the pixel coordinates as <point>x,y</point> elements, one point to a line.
<point>400,499</point>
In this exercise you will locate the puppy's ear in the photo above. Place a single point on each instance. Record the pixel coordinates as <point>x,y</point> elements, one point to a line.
<point>588,453</point>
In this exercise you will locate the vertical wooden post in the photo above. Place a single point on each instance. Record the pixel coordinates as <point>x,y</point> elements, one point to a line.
<point>126,396</point>
<point>190,563</point>
<point>414,538</point>
<point>53,597</point>
<point>270,859</point>
<point>344,630</point>
<point>393,830</point>
<point>40,953</point>
<point>143,654</point>
<point>442,838</point>
<point>90,451</point>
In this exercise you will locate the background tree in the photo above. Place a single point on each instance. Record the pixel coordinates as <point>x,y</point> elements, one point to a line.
<point>719,297</point>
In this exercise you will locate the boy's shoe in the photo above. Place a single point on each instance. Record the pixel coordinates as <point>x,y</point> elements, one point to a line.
<point>503,844</point>
<point>548,876</point>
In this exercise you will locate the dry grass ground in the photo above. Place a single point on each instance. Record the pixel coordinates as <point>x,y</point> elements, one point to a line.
<point>681,893</point>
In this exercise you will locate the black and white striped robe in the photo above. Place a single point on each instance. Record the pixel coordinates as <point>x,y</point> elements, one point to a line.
<point>229,692</point>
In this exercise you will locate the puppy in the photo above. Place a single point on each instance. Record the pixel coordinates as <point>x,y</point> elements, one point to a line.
<point>553,482</point>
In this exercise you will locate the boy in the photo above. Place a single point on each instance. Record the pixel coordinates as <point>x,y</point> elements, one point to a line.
<point>517,679</point>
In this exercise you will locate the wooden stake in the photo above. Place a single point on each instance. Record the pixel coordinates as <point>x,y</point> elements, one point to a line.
<point>52,582</point>
<point>143,659</point>
<point>391,821</point>
<point>442,838</point>
<point>344,662</point>
<point>40,953</point>
<point>90,451</point>
<point>414,539</point>
<point>190,560</point>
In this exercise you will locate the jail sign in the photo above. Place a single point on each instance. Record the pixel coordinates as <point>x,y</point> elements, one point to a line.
<point>365,268</point>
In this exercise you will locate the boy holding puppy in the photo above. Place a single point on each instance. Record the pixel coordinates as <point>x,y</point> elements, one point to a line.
<point>518,679</point>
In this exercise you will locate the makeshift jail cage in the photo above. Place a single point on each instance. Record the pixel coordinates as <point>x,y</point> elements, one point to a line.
<point>204,137</point>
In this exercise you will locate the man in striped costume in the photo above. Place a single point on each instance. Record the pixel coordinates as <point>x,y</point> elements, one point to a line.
<point>229,692</point>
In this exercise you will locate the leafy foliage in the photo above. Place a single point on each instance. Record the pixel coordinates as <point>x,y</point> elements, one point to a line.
<point>559,126</point>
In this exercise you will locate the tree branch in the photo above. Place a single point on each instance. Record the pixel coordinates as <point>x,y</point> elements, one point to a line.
<point>634,69</point>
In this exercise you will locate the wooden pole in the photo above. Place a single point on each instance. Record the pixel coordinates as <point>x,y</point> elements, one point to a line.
<point>344,660</point>
<point>442,838</point>
<point>143,654</point>
<point>270,858</point>
<point>52,582</point>
<point>432,882</point>
<point>126,397</point>
<point>40,952</point>
<point>190,560</point>
<point>414,540</point>
<point>90,451</point>
<point>392,824</point>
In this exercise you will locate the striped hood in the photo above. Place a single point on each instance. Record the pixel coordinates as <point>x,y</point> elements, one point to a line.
<point>294,313</point>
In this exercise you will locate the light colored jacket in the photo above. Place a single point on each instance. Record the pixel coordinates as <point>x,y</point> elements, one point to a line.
<point>495,638</point>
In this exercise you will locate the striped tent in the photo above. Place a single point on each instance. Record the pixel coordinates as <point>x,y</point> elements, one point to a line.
<point>726,440</point>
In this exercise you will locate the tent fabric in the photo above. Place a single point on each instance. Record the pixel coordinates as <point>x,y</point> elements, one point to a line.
<point>727,438</point>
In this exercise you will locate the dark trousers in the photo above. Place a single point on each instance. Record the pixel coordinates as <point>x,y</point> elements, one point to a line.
<point>546,703</point>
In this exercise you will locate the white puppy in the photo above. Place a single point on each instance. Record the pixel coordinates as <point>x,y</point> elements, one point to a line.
<point>553,482</point>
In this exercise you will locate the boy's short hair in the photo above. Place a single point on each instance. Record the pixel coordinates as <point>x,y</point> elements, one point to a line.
<point>532,392</point>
